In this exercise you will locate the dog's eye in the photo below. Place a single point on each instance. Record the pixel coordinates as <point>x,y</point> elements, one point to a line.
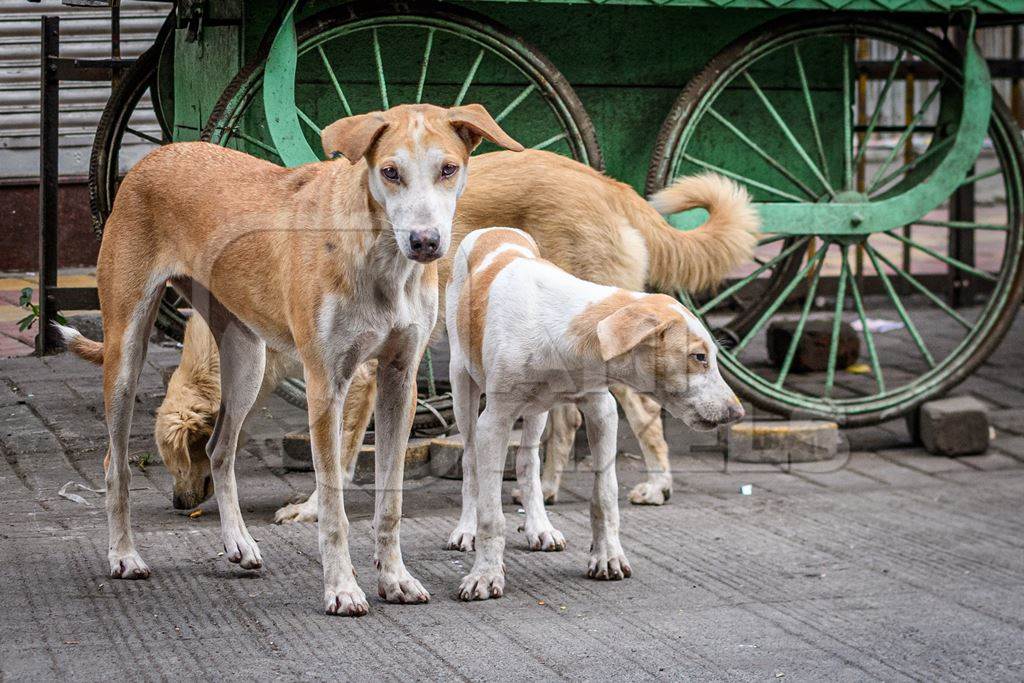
<point>390,173</point>
<point>448,170</point>
<point>701,358</point>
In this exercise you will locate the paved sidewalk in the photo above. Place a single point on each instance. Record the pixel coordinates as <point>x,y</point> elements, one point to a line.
<point>888,564</point>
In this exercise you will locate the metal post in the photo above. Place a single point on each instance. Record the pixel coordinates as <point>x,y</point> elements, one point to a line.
<point>961,242</point>
<point>48,182</point>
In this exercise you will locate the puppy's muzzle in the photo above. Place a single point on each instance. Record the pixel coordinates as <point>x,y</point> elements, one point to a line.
<point>424,245</point>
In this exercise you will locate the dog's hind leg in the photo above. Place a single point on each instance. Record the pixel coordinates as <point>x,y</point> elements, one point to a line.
<point>540,533</point>
<point>357,413</point>
<point>644,416</point>
<point>466,405</point>
<point>607,561</point>
<point>242,364</point>
<point>563,421</point>
<point>127,325</point>
<point>490,438</point>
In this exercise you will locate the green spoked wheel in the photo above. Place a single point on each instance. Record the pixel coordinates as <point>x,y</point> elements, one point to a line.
<point>863,175</point>
<point>368,56</point>
<point>362,57</point>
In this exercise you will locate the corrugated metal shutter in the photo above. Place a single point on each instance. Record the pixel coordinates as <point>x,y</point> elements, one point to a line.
<point>85,33</point>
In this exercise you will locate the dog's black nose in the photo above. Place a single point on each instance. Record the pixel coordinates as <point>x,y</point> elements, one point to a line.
<point>424,243</point>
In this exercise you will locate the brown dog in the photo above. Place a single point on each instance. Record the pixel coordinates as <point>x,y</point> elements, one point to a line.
<point>334,263</point>
<point>586,223</point>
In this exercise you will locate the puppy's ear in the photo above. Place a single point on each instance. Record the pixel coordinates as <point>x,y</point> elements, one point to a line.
<point>473,123</point>
<point>353,136</point>
<point>621,331</point>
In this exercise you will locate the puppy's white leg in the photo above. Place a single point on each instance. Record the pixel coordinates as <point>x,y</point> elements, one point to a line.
<point>487,578</point>
<point>607,561</point>
<point>342,594</point>
<point>540,533</point>
<point>466,404</point>
<point>644,416</point>
<point>396,386</point>
<point>242,361</point>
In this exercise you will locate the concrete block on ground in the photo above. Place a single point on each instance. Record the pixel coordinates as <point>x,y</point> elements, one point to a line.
<point>297,455</point>
<point>813,347</point>
<point>782,441</point>
<point>446,456</point>
<point>954,426</point>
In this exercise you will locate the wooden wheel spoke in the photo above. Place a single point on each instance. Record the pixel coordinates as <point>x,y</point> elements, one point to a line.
<point>962,225</point>
<point>837,321</point>
<point>144,136</point>
<point>809,102</point>
<point>939,146</point>
<point>771,239</point>
<point>550,141</point>
<point>741,178</point>
<point>812,289</point>
<point>869,337</point>
<point>469,78</point>
<point>334,81</point>
<point>308,121</point>
<point>907,133</point>
<point>740,284</point>
<point>898,303</point>
<point>774,163</point>
<point>423,67</point>
<point>515,103</point>
<point>873,121</point>
<point>981,176</point>
<point>948,260</point>
<point>255,141</point>
<point>777,303</point>
<point>379,62</point>
<point>781,123</point>
<point>916,284</point>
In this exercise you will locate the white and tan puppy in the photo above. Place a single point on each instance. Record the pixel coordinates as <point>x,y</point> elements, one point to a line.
<point>531,336</point>
<point>333,263</point>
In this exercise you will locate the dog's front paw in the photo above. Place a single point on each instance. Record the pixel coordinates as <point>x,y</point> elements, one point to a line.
<point>548,539</point>
<point>349,602</point>
<point>128,566</point>
<point>401,587</point>
<point>462,539</point>
<point>296,512</point>
<point>483,584</point>
<point>650,493</point>
<point>240,548</point>
<point>609,563</point>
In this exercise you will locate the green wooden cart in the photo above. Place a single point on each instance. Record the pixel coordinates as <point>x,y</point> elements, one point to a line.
<point>864,212</point>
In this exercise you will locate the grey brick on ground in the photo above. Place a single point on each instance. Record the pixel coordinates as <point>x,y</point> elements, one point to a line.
<point>952,426</point>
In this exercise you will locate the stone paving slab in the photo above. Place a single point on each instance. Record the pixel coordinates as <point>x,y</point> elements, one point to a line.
<point>886,563</point>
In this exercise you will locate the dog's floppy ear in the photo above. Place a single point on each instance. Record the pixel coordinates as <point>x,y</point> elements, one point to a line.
<point>625,328</point>
<point>473,123</point>
<point>353,136</point>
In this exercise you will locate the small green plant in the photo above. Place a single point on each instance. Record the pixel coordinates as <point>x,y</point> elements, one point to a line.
<point>25,301</point>
<point>143,460</point>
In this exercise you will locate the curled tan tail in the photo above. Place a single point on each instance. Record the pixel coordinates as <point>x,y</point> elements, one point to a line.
<point>699,259</point>
<point>88,349</point>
